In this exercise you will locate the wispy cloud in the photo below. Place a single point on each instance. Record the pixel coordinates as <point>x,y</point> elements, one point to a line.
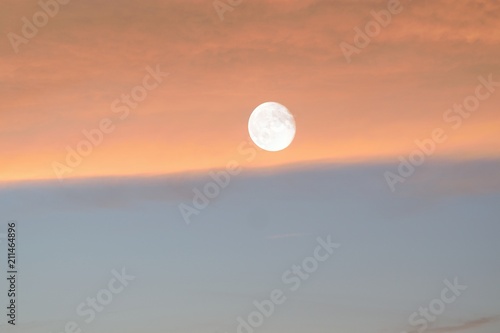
<point>474,323</point>
<point>469,324</point>
<point>290,235</point>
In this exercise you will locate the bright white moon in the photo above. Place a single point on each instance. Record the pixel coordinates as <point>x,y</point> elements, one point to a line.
<point>271,126</point>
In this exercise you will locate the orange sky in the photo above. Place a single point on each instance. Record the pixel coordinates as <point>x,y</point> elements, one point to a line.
<point>392,93</point>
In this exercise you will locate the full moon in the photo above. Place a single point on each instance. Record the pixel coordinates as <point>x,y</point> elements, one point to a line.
<point>271,126</point>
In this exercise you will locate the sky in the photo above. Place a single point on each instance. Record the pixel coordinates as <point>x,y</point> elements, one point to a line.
<point>395,161</point>
<point>395,251</point>
<point>64,80</point>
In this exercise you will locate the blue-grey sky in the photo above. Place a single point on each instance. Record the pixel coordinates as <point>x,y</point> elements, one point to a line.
<point>397,249</point>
